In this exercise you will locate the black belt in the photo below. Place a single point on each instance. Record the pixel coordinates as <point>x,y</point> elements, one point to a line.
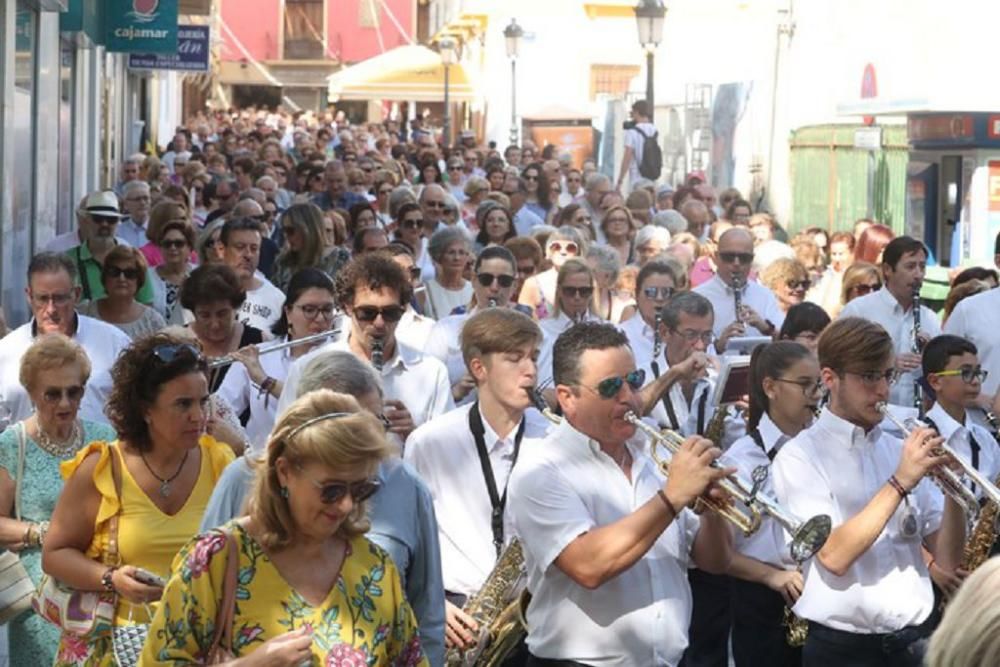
<point>535,661</point>
<point>888,642</point>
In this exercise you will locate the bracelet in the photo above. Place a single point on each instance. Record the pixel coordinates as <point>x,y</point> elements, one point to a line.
<point>27,540</point>
<point>265,386</point>
<point>666,501</point>
<point>894,483</point>
<point>106,579</point>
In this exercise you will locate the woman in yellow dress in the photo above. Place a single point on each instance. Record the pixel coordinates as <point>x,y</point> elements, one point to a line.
<point>156,478</point>
<point>312,589</point>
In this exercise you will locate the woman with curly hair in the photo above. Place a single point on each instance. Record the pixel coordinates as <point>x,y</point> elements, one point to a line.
<point>312,589</point>
<point>133,503</point>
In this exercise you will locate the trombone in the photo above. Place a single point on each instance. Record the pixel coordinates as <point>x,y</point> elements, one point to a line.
<point>950,481</point>
<point>807,536</point>
<point>219,362</point>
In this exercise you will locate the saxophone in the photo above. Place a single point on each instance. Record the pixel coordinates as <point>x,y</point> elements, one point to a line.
<point>715,429</point>
<point>498,607</point>
<point>984,534</point>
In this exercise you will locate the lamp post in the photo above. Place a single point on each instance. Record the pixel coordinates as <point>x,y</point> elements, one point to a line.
<point>447,49</point>
<point>512,35</point>
<point>649,20</point>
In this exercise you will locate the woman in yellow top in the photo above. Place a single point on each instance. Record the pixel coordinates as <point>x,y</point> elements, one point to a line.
<point>313,590</point>
<point>157,478</point>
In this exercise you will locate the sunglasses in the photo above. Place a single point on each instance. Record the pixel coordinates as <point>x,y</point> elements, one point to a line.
<point>117,271</point>
<point>411,224</point>
<point>609,387</point>
<point>573,292</point>
<point>799,284</point>
<point>370,313</point>
<point>173,244</point>
<point>334,491</point>
<point>571,248</point>
<point>486,279</point>
<point>171,352</point>
<point>863,289</point>
<point>734,257</point>
<point>660,293</point>
<point>530,178</point>
<point>455,167</point>
<point>103,220</point>
<point>968,375</point>
<point>73,394</point>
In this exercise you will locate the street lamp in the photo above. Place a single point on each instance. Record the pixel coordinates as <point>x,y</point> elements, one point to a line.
<point>649,20</point>
<point>447,48</point>
<point>513,34</point>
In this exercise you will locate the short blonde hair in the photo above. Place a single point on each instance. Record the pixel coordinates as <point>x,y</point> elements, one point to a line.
<point>356,439</point>
<point>52,351</point>
<point>572,267</point>
<point>969,633</point>
<point>781,271</point>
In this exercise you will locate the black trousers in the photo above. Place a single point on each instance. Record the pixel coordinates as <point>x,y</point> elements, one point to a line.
<point>826,647</point>
<point>708,637</point>
<point>534,661</point>
<point>758,629</point>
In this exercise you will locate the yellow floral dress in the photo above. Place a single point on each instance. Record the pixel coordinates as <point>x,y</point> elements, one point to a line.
<point>365,619</point>
<point>147,537</point>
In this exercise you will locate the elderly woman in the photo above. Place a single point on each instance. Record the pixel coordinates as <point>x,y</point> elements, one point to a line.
<point>54,372</point>
<point>123,275</point>
<point>448,289</point>
<point>209,243</point>
<point>305,245</point>
<point>495,224</point>
<point>649,242</point>
<point>255,381</point>
<point>967,636</point>
<point>475,190</point>
<point>133,503</point>
<point>539,291</point>
<point>176,241</point>
<point>860,278</point>
<point>313,588</point>
<point>788,279</point>
<point>609,303</point>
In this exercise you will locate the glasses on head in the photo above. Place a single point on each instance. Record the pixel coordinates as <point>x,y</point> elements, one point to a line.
<point>734,257</point>
<point>809,387</point>
<point>310,311</point>
<point>333,492</point>
<point>690,335</point>
<point>866,288</point>
<point>486,279</point>
<point>117,271</point>
<point>54,395</point>
<point>609,387</point>
<point>968,374</point>
<point>263,217</point>
<point>559,246</point>
<point>577,292</point>
<point>370,313</point>
<point>798,284</point>
<point>171,352</point>
<point>58,299</point>
<point>872,378</point>
<point>659,293</point>
<point>411,224</point>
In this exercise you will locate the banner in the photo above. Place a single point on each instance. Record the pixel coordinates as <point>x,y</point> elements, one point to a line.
<point>141,26</point>
<point>191,55</point>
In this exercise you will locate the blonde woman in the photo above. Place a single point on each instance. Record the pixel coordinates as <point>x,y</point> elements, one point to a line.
<point>539,291</point>
<point>860,278</point>
<point>574,303</point>
<point>969,633</point>
<point>305,245</point>
<point>312,588</point>
<point>788,279</point>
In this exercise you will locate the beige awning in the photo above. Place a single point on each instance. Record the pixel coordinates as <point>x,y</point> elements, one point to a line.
<point>404,73</point>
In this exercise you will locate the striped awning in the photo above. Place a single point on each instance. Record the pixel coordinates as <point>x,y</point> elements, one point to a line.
<point>405,73</point>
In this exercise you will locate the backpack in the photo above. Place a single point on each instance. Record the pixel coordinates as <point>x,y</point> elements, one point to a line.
<point>652,157</point>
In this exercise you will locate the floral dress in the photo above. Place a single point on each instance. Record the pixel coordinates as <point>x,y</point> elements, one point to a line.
<point>364,620</point>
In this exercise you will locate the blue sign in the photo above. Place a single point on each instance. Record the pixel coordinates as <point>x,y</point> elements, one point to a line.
<point>191,56</point>
<point>141,26</point>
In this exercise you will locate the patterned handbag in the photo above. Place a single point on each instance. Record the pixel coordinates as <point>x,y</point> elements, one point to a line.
<point>16,586</point>
<point>127,640</point>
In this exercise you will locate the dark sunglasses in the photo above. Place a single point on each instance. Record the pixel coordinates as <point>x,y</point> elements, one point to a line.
<point>609,387</point>
<point>486,279</point>
<point>530,178</point>
<point>334,491</point>
<point>103,220</point>
<point>411,224</point>
<point>734,257</point>
<point>863,289</point>
<point>658,292</point>
<point>71,394</point>
<point>116,271</point>
<point>369,313</point>
<point>171,352</point>
<point>584,292</point>
<point>799,284</point>
<point>174,244</point>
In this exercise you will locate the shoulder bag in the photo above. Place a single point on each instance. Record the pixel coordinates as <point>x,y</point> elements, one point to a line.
<point>16,586</point>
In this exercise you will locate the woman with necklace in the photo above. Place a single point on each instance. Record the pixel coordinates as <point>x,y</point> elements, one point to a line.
<point>176,241</point>
<point>156,479</point>
<point>54,372</point>
<point>448,289</point>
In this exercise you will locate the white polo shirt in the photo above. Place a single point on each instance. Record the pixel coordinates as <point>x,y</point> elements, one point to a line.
<point>957,436</point>
<point>102,343</point>
<point>978,319</point>
<point>835,468</point>
<point>882,308</point>
<point>755,295</point>
<point>443,452</point>
<point>564,488</point>
<point>262,307</point>
<point>641,340</point>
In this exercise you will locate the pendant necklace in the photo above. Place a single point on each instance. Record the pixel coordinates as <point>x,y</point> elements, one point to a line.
<point>165,483</point>
<point>63,449</point>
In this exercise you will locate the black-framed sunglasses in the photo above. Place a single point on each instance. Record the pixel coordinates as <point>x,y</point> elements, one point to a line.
<point>608,388</point>
<point>864,289</point>
<point>574,292</point>
<point>173,244</point>
<point>968,374</point>
<point>411,224</point>
<point>734,257</point>
<point>370,313</point>
<point>171,352</point>
<point>486,279</point>
<point>117,271</point>
<point>661,293</point>
<point>360,491</point>
<point>72,394</point>
<point>799,284</point>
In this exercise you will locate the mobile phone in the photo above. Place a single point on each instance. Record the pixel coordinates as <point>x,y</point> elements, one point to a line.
<point>149,578</point>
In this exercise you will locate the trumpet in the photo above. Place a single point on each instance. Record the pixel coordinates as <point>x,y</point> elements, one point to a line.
<point>951,482</point>
<point>807,536</point>
<point>219,362</point>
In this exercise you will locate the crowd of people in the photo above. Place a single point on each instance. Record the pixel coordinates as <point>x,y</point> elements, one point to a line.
<point>294,391</point>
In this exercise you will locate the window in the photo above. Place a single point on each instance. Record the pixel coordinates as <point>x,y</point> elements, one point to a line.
<point>611,79</point>
<point>304,30</point>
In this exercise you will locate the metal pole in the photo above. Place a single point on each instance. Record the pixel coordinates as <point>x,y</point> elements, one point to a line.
<point>649,79</point>
<point>513,101</point>
<point>447,112</point>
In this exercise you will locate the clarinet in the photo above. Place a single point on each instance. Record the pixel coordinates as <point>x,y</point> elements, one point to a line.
<point>657,344</point>
<point>737,285</point>
<point>918,390</point>
<point>378,359</point>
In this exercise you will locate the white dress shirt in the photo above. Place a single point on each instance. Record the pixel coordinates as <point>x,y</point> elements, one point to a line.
<point>443,452</point>
<point>755,295</point>
<point>418,381</point>
<point>102,342</point>
<point>641,340</point>
<point>552,328</point>
<point>241,393</point>
<point>445,345</point>
<point>978,319</point>
<point>882,308</point>
<point>413,329</point>
<point>567,487</point>
<point>835,468</point>
<point>770,544</point>
<point>262,307</point>
<point>957,436</point>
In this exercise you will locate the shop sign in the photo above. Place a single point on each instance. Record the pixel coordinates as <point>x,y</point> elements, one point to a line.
<point>141,26</point>
<point>191,54</point>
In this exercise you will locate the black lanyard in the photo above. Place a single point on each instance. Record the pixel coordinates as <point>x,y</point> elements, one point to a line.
<point>755,435</point>
<point>674,424</point>
<point>973,445</point>
<point>497,501</point>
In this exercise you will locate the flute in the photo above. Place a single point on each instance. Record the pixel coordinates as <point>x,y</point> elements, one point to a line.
<point>265,349</point>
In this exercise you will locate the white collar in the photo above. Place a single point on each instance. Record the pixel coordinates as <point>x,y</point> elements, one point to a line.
<point>845,431</point>
<point>946,425</point>
<point>771,436</point>
<point>490,437</point>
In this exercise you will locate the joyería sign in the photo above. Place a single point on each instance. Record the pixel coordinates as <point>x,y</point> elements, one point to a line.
<point>141,26</point>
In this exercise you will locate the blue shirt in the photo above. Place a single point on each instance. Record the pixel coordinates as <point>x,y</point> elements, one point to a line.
<point>403,523</point>
<point>344,201</point>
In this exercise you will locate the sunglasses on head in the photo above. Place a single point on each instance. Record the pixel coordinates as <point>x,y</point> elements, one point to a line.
<point>658,292</point>
<point>117,271</point>
<point>71,394</point>
<point>583,292</point>
<point>609,387</point>
<point>558,246</point>
<point>734,257</point>
<point>486,279</point>
<point>360,491</point>
<point>370,313</point>
<point>171,352</point>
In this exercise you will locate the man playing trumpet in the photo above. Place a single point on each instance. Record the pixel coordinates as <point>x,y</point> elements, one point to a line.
<point>607,542</point>
<point>867,595</point>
